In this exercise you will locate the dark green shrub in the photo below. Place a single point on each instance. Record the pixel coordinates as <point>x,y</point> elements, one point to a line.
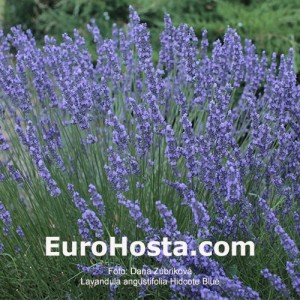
<point>19,12</point>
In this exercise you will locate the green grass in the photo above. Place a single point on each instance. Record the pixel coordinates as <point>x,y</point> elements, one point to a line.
<point>2,4</point>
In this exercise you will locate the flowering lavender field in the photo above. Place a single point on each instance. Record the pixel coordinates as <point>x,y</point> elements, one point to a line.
<point>196,147</point>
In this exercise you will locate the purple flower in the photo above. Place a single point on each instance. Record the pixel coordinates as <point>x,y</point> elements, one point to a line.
<point>37,157</point>
<point>200,214</point>
<point>22,135</point>
<point>108,63</point>
<point>166,54</point>
<point>20,232</point>
<point>120,136</point>
<point>277,283</point>
<point>171,149</point>
<point>297,222</point>
<point>293,271</point>
<point>6,218</point>
<point>77,200</point>
<point>117,171</point>
<point>15,174</point>
<point>3,142</point>
<point>287,243</point>
<point>268,213</point>
<point>170,229</point>
<point>83,230</point>
<point>136,214</point>
<point>90,217</point>
<point>97,200</point>
<point>91,139</point>
<point>51,136</point>
<point>144,53</point>
<point>144,136</point>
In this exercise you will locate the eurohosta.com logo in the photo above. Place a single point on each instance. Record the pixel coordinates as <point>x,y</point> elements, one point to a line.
<point>153,248</point>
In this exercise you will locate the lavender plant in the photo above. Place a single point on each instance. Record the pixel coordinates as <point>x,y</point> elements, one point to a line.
<point>198,147</point>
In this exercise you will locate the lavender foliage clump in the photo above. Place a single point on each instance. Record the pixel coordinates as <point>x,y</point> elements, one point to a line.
<point>207,145</point>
